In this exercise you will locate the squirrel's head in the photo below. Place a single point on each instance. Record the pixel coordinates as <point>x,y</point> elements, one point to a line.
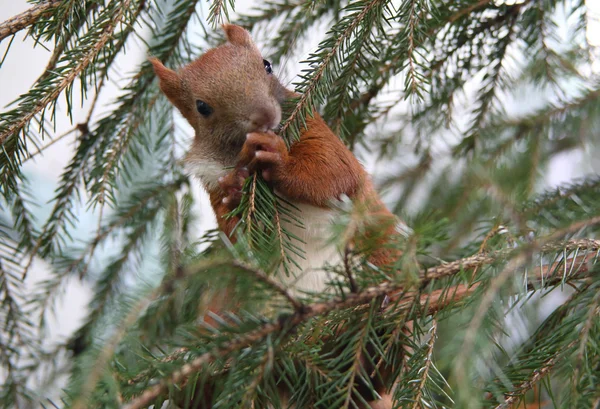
<point>226,93</point>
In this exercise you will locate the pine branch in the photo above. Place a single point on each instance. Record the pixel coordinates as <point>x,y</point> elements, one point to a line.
<point>26,18</point>
<point>262,277</point>
<point>314,310</point>
<point>491,81</point>
<point>18,125</point>
<point>79,61</point>
<point>149,197</point>
<point>312,81</point>
<point>580,357</point>
<point>497,283</point>
<point>541,277</point>
<point>425,371</point>
<point>537,375</point>
<point>106,352</point>
<point>218,8</point>
<point>97,142</point>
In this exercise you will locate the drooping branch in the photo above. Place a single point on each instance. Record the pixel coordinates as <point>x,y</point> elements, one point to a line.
<point>319,71</point>
<point>26,18</point>
<point>13,129</point>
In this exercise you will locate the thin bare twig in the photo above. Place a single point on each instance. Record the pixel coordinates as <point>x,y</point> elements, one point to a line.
<point>52,142</point>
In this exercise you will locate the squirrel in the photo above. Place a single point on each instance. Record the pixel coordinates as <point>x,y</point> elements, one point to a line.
<point>232,99</point>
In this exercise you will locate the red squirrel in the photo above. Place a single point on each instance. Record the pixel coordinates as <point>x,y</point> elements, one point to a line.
<point>233,101</point>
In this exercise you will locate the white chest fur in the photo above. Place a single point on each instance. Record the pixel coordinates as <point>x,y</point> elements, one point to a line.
<point>314,235</point>
<point>207,170</point>
<point>318,250</point>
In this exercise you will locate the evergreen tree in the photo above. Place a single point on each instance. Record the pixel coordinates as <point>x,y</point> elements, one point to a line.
<point>427,87</point>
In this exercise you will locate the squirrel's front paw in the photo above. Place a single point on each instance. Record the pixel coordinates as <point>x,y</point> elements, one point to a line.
<point>232,185</point>
<point>268,151</point>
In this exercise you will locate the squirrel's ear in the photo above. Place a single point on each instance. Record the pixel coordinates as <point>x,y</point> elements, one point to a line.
<point>170,83</point>
<point>171,86</point>
<point>237,35</point>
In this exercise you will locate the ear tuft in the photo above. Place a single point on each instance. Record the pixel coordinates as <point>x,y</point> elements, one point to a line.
<point>165,75</point>
<point>170,83</point>
<point>237,35</point>
<point>172,86</point>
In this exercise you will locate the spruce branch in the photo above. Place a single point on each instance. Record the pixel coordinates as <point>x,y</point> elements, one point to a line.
<point>425,371</point>
<point>26,18</point>
<point>537,375</point>
<point>313,80</point>
<point>492,80</point>
<point>497,283</point>
<point>593,314</point>
<point>108,31</point>
<point>217,9</point>
<point>262,277</point>
<point>313,310</point>
<point>106,352</point>
<point>452,297</point>
<point>116,152</point>
<point>356,367</point>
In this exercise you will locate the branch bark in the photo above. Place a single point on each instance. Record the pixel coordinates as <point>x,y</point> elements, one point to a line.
<point>25,19</point>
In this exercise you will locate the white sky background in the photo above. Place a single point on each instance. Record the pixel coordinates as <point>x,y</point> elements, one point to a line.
<point>25,63</point>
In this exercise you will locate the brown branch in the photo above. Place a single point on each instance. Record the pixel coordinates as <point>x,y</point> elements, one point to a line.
<point>440,299</point>
<point>431,302</point>
<point>25,19</point>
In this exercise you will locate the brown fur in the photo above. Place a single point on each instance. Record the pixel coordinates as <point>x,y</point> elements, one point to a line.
<point>317,169</point>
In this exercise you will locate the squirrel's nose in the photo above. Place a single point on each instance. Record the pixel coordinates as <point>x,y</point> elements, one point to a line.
<point>264,118</point>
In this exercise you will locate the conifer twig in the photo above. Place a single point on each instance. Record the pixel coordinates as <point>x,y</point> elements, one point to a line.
<point>69,78</point>
<point>313,310</point>
<point>498,281</point>
<point>437,300</point>
<point>26,18</point>
<point>433,334</point>
<point>535,378</point>
<point>265,279</point>
<point>320,70</point>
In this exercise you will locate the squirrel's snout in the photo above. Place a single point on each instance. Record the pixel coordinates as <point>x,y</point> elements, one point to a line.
<point>264,119</point>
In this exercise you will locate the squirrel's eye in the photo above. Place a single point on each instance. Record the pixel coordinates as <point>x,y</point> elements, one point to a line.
<point>203,108</point>
<point>268,67</point>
